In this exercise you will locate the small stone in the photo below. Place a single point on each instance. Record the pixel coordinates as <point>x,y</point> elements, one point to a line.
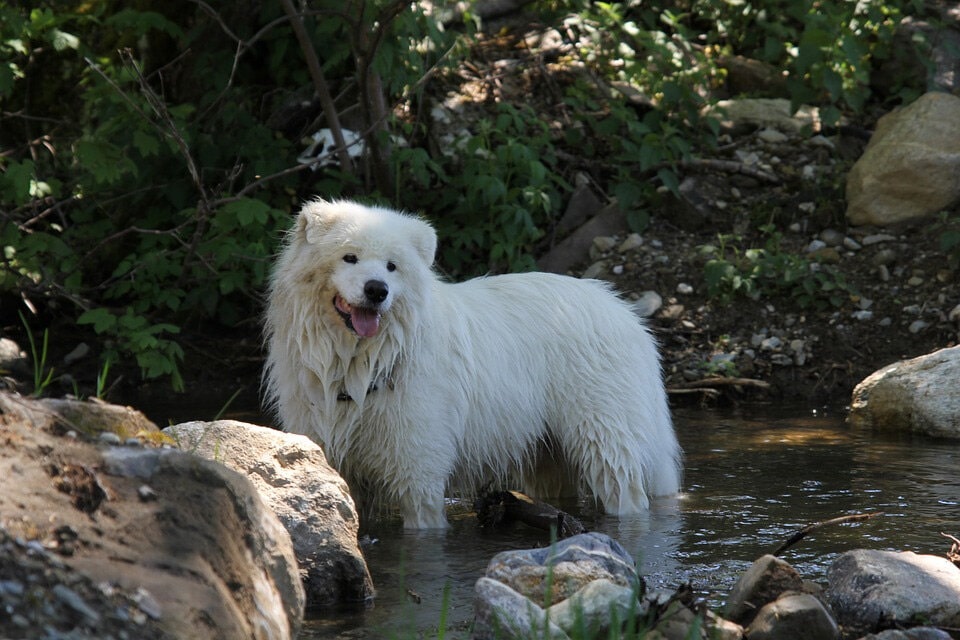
<point>954,315</point>
<point>797,345</point>
<point>617,270</point>
<point>781,359</point>
<point>816,245</point>
<point>809,172</point>
<point>684,289</point>
<point>821,141</point>
<point>864,303</point>
<point>647,304</point>
<point>851,244</point>
<point>944,276</point>
<point>886,322</point>
<point>109,437</point>
<point>862,314</point>
<point>877,238</point>
<point>771,344</point>
<point>632,241</point>
<point>917,326</point>
<point>594,270</point>
<point>807,207</point>
<point>772,136</point>
<point>70,598</point>
<point>604,243</point>
<point>884,273</point>
<point>832,237</point>
<point>915,281</point>
<point>795,227</point>
<point>79,353</point>
<point>146,493</point>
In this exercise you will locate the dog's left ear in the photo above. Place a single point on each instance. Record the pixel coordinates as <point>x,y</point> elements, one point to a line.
<point>425,242</point>
<point>315,220</point>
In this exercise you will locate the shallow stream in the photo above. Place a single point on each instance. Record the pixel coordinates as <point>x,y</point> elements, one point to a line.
<point>753,477</point>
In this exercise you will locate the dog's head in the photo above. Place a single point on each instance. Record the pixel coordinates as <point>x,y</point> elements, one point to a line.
<point>370,258</point>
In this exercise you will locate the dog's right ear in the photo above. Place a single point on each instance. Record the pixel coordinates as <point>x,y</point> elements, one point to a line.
<point>315,220</point>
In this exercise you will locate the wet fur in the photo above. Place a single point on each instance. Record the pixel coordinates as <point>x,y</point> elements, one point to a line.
<point>463,383</point>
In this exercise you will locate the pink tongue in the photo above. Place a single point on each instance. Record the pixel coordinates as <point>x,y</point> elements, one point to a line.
<point>365,322</point>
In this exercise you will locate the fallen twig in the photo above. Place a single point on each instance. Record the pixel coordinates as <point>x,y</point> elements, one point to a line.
<point>800,535</point>
<point>718,381</point>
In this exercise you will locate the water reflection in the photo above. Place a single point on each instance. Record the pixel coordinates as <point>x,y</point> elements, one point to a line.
<point>752,479</point>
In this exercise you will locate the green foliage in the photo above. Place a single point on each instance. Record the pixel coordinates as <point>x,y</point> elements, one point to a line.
<point>762,272</point>
<point>828,50</point>
<point>150,152</point>
<point>499,188</point>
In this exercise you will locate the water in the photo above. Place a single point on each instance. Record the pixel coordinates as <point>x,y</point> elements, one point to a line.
<point>753,477</point>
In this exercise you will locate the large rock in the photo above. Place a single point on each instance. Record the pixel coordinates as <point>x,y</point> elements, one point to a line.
<point>135,542</point>
<point>913,395</point>
<point>872,590</point>
<point>307,495</point>
<point>554,573</point>
<point>911,168</point>
<point>793,616</point>
<point>765,581</point>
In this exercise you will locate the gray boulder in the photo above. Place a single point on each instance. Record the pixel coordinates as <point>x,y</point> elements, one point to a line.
<point>911,168</point>
<point>554,573</point>
<point>186,542</point>
<point>913,395</point>
<point>793,616</point>
<point>765,581</point>
<point>307,495</point>
<point>503,614</point>
<point>872,590</point>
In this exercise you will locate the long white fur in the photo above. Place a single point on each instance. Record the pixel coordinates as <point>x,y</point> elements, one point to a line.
<point>464,383</point>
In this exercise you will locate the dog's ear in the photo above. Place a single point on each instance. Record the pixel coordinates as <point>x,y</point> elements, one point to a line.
<point>316,219</point>
<point>425,242</point>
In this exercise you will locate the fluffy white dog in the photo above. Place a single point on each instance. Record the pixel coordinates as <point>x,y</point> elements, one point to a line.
<point>414,385</point>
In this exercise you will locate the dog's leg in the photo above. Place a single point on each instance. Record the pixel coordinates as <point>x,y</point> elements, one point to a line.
<point>422,509</point>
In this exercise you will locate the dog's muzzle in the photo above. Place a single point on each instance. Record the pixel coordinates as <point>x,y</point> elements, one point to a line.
<point>363,319</point>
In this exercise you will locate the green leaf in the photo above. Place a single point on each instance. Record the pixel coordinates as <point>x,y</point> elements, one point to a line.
<point>101,319</point>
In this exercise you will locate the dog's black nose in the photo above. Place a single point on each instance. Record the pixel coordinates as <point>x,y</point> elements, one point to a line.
<point>375,291</point>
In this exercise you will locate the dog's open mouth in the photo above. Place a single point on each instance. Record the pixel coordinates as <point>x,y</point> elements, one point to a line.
<point>363,321</point>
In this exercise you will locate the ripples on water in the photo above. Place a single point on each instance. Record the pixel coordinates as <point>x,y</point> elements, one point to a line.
<point>752,479</point>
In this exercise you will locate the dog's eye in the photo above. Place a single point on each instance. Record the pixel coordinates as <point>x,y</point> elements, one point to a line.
<point>391,266</point>
<point>350,258</point>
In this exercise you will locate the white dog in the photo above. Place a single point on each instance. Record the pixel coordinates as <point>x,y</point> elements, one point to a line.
<point>413,385</point>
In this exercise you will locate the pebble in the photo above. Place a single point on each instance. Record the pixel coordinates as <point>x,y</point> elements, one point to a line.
<point>684,289</point>
<point>109,437</point>
<point>912,309</point>
<point>851,244</point>
<point>954,315</point>
<point>146,493</point>
<point>771,344</point>
<point>647,304</point>
<point>884,273</point>
<point>632,241</point>
<point>781,359</point>
<point>918,325</point>
<point>617,270</point>
<point>832,237</point>
<point>807,207</point>
<point>821,141</point>
<point>79,353</point>
<point>772,136</point>
<point>594,270</point>
<point>795,227</point>
<point>886,322</point>
<point>809,172</point>
<point>604,243</point>
<point>816,245</point>
<point>70,598</point>
<point>877,238</point>
<point>915,281</point>
<point>862,314</point>
<point>797,345</point>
